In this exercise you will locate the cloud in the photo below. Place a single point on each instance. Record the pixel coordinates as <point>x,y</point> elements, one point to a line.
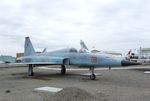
<point>116,25</point>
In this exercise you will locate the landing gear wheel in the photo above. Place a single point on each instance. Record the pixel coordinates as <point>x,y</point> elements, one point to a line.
<point>92,76</point>
<point>31,74</point>
<point>63,70</point>
<point>30,71</point>
<point>109,68</point>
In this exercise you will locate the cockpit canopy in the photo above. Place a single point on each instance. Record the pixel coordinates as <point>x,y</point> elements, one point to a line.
<point>73,50</point>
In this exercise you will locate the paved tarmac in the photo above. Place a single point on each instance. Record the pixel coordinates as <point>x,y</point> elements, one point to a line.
<point>130,84</point>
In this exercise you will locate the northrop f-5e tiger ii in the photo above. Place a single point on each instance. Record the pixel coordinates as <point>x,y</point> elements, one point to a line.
<point>69,56</point>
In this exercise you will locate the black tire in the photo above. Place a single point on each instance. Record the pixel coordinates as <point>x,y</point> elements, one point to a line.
<point>109,68</point>
<point>30,71</point>
<point>63,70</point>
<point>92,76</point>
<point>31,74</point>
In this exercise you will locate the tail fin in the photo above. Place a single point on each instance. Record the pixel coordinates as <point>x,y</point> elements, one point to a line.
<point>45,50</point>
<point>129,53</point>
<point>28,47</point>
<point>128,56</point>
<point>83,46</point>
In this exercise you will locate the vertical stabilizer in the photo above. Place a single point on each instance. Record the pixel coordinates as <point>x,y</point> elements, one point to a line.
<point>83,45</point>
<point>28,47</point>
<point>45,50</point>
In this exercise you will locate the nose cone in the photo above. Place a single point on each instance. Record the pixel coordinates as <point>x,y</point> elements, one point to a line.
<point>129,63</point>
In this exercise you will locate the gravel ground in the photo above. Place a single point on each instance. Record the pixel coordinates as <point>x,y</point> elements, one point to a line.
<point>112,85</point>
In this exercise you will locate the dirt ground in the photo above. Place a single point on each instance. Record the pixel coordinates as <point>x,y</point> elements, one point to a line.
<point>112,85</point>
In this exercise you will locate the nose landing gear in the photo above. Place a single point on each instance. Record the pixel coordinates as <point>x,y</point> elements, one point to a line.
<point>92,76</point>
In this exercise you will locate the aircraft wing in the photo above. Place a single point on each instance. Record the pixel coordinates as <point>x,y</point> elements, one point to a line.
<point>45,60</point>
<point>39,63</point>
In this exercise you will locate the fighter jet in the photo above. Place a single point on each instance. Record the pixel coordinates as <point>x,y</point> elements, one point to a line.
<point>68,56</point>
<point>85,49</point>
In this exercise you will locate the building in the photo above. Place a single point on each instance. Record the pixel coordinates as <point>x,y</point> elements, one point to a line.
<point>7,59</point>
<point>19,55</point>
<point>143,53</point>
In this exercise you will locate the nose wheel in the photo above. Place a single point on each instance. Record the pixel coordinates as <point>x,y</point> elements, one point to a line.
<point>92,76</point>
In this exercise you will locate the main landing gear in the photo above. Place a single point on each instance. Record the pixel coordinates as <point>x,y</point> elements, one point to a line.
<point>63,69</point>
<point>92,76</point>
<point>30,70</point>
<point>109,67</point>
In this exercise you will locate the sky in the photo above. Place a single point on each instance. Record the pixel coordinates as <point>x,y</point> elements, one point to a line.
<point>111,25</point>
